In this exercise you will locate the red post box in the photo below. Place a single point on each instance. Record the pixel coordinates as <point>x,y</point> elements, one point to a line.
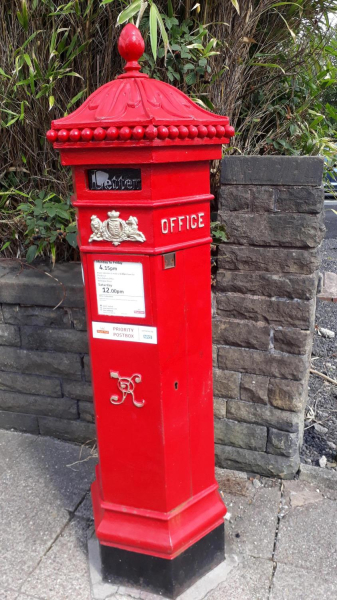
<point>140,151</point>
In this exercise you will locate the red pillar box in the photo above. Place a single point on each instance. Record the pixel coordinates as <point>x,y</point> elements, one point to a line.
<point>140,151</point>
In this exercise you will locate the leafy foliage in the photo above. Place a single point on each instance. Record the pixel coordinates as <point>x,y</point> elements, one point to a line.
<point>218,232</point>
<point>49,222</point>
<point>270,66</point>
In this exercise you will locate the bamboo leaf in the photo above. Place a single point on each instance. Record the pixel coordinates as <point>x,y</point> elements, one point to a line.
<point>4,74</point>
<point>163,31</point>
<point>153,30</point>
<point>75,98</point>
<point>293,35</point>
<point>236,5</point>
<point>283,3</point>
<point>269,65</point>
<point>5,245</point>
<point>129,12</point>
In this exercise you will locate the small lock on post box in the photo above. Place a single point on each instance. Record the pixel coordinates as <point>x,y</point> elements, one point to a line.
<point>140,151</point>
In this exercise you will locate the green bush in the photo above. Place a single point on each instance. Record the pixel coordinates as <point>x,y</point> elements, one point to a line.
<point>270,66</point>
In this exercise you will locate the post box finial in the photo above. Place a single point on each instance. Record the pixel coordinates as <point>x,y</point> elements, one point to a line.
<point>131,47</point>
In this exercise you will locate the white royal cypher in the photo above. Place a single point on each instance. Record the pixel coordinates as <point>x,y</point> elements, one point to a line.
<point>182,223</point>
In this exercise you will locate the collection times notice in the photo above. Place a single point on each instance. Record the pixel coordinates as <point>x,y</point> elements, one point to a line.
<point>119,288</point>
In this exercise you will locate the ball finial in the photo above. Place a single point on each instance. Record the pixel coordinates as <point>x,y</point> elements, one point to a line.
<point>131,47</point>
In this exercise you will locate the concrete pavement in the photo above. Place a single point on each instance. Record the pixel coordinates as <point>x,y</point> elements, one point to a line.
<point>281,536</point>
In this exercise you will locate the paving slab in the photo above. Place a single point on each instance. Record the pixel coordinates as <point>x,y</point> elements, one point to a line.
<point>252,524</point>
<point>46,512</point>
<point>325,478</point>
<point>36,494</point>
<point>25,597</point>
<point>12,445</point>
<point>68,469</point>
<point>300,584</point>
<point>85,508</point>
<point>8,595</point>
<point>32,515</point>
<point>249,581</point>
<point>307,533</point>
<point>63,572</point>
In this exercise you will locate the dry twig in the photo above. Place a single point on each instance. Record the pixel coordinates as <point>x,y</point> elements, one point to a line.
<point>314,372</point>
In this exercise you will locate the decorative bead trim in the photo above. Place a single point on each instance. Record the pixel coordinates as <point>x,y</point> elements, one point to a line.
<point>137,133</point>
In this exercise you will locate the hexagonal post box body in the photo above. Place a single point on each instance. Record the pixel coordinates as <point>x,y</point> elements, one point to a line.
<point>140,151</point>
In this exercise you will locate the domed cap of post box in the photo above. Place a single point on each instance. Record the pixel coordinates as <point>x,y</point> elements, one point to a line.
<point>137,110</point>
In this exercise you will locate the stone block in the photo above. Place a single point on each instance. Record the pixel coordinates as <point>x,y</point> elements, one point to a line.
<point>285,230</point>
<point>287,395</point>
<point>78,390</point>
<point>33,287</point>
<point>38,405</point>
<point>219,408</point>
<point>275,311</point>
<point>36,316</point>
<point>9,335</point>
<point>240,435</point>
<point>86,410</point>
<point>245,334</point>
<point>294,341</point>
<point>263,415</point>
<point>272,170</point>
<point>270,465</point>
<point>282,442</point>
<point>57,340</point>
<point>214,356</point>
<point>275,364</point>
<point>301,199</point>
<point>262,199</point>
<point>248,199</point>
<point>254,388</point>
<point>275,260</point>
<point>226,383</point>
<point>30,384</point>
<point>19,421</point>
<point>268,284</point>
<point>234,198</point>
<point>71,431</point>
<point>40,363</point>
<point>87,368</point>
<point>79,319</point>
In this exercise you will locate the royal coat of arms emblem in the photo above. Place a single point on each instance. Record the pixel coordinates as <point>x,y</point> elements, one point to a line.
<point>115,230</point>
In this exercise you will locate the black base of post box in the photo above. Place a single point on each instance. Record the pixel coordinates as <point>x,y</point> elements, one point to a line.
<point>159,575</point>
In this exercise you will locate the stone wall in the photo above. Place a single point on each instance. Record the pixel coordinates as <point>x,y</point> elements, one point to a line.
<point>263,323</point>
<point>265,309</point>
<point>44,368</point>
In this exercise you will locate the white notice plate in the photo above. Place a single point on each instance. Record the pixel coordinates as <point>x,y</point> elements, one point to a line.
<point>124,333</point>
<point>119,288</point>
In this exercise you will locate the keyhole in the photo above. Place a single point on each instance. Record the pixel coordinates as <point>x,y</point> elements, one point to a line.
<point>176,385</point>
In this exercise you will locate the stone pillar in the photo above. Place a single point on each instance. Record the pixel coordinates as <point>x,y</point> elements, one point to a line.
<point>265,309</point>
